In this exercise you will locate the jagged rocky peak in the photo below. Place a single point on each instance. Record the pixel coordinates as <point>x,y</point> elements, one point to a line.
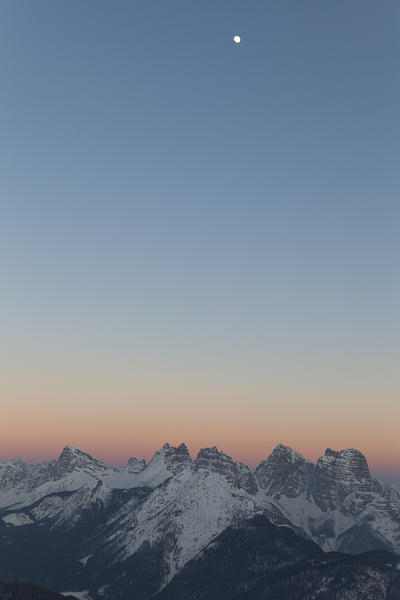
<point>69,455</point>
<point>351,464</point>
<point>175,458</point>
<point>285,471</point>
<point>216,461</point>
<point>354,462</point>
<point>135,465</point>
<point>339,473</point>
<point>71,459</point>
<point>330,452</point>
<point>286,453</point>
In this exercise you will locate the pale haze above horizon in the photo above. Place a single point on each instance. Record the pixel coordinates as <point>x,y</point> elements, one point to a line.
<point>199,238</point>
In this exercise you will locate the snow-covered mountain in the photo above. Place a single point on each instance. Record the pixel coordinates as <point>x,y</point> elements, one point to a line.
<point>107,529</point>
<point>336,502</point>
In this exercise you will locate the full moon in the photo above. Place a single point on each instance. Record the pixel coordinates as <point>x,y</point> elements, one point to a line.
<point>236,39</point>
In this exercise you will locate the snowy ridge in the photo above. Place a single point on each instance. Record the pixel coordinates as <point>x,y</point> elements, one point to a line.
<point>22,484</point>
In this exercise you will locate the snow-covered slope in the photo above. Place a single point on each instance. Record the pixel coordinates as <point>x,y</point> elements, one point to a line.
<point>22,484</point>
<point>189,508</point>
<point>185,502</point>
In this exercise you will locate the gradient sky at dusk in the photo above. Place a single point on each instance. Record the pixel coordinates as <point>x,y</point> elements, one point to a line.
<point>199,240</point>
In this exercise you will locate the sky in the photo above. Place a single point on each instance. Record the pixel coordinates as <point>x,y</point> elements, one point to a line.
<point>199,240</point>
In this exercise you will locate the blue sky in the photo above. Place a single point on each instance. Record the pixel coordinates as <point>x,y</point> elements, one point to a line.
<point>187,208</point>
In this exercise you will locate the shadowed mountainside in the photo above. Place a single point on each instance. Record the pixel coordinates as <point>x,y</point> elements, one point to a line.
<point>27,591</point>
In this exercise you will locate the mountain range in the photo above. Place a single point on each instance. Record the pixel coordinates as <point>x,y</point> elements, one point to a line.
<point>79,526</point>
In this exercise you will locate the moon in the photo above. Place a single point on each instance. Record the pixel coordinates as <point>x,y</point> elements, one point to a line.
<point>236,39</point>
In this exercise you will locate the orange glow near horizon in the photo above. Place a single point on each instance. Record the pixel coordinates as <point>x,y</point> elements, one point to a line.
<point>114,440</point>
<point>113,416</point>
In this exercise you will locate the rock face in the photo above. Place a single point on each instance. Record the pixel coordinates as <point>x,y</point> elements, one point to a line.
<point>134,465</point>
<point>284,472</point>
<point>216,461</point>
<point>177,459</point>
<point>337,474</point>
